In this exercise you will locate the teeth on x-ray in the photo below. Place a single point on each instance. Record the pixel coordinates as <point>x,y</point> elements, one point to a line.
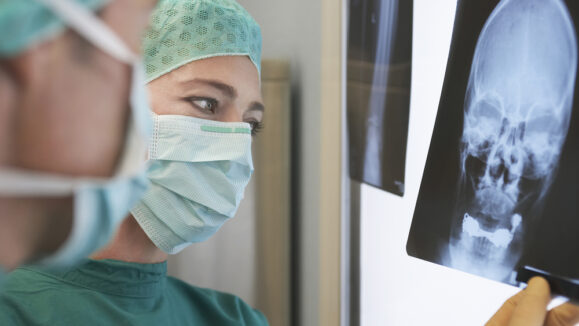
<point>501,238</point>
<point>516,118</point>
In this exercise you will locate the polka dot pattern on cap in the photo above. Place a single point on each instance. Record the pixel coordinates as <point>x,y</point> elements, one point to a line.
<point>182,31</point>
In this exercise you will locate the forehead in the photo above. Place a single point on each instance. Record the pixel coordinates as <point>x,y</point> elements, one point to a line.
<point>236,71</point>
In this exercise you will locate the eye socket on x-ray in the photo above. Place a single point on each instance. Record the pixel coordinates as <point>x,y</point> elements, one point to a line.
<point>488,109</point>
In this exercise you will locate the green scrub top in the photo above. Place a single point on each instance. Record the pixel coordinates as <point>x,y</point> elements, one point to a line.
<point>109,292</point>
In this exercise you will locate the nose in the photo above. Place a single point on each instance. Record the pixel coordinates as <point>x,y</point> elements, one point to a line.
<point>507,161</point>
<point>232,113</point>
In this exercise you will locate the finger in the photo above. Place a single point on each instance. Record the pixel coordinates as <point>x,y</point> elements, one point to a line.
<point>566,314</point>
<point>532,308</point>
<point>503,315</point>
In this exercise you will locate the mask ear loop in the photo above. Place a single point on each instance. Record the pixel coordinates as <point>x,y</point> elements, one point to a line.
<point>15,183</point>
<point>92,28</point>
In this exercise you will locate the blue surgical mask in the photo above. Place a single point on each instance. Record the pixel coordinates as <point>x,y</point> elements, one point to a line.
<point>198,171</point>
<point>99,204</point>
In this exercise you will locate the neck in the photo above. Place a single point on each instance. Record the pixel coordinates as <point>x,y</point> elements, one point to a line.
<point>131,244</point>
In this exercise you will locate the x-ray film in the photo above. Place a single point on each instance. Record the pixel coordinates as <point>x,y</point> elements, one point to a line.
<point>499,190</point>
<point>378,91</point>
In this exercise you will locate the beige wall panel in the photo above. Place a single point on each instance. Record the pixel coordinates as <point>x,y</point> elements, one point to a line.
<point>273,166</point>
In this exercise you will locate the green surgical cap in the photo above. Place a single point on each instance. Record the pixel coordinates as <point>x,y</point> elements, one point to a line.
<point>25,23</point>
<point>182,31</point>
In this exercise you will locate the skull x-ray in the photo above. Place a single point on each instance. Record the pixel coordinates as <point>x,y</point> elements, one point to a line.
<point>499,189</point>
<point>378,91</point>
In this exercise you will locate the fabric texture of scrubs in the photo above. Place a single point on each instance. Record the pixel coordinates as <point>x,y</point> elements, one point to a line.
<point>110,292</point>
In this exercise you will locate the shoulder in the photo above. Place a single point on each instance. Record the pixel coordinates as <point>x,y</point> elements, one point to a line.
<point>25,288</point>
<point>224,305</point>
<point>25,279</point>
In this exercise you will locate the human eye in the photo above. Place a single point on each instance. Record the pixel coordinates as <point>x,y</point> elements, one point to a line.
<point>256,126</point>
<point>204,104</point>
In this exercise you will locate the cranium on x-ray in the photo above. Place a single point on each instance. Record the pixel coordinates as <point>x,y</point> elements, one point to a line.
<point>516,118</point>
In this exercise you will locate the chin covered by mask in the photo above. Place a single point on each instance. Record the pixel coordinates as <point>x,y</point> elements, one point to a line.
<point>198,171</point>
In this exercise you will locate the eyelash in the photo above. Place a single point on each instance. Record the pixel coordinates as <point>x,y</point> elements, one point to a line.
<point>256,127</point>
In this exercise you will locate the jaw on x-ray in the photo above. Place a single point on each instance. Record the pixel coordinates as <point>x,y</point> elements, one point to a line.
<point>516,118</point>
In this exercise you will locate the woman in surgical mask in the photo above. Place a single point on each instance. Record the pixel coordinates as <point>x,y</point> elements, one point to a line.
<point>202,60</point>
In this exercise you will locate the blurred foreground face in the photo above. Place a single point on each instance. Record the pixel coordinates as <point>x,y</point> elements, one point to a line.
<point>69,100</point>
<point>63,109</point>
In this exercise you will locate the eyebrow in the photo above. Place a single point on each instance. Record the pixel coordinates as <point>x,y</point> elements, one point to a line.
<point>228,90</point>
<point>256,106</point>
<point>224,88</point>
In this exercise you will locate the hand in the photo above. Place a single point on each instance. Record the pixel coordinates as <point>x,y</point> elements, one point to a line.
<point>529,308</point>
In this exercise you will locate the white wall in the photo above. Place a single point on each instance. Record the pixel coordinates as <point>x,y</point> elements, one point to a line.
<point>397,289</point>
